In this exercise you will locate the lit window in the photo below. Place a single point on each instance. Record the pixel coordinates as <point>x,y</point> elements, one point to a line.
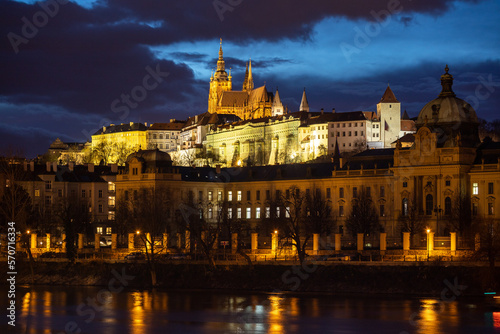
<point>249,213</point>
<point>287,212</point>
<point>219,196</point>
<point>238,213</point>
<point>210,196</point>
<point>238,196</point>
<point>99,230</point>
<point>475,189</point>
<point>230,213</point>
<point>210,213</point>
<point>278,212</point>
<point>108,230</point>
<point>229,196</point>
<point>111,200</point>
<point>257,213</point>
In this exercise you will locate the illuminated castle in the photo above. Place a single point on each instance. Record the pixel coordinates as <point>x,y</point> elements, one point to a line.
<point>247,103</point>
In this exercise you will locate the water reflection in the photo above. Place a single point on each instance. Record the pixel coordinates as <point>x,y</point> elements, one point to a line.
<point>50,310</point>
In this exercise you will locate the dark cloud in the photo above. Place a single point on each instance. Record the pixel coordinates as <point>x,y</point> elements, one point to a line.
<point>81,60</point>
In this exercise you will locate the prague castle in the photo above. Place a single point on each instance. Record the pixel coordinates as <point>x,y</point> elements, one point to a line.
<point>416,189</point>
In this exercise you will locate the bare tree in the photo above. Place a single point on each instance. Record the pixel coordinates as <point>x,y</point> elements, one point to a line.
<point>149,212</point>
<point>72,213</point>
<point>15,204</point>
<point>411,221</point>
<point>460,218</point>
<point>204,234</point>
<point>489,232</point>
<point>363,217</point>
<point>296,215</point>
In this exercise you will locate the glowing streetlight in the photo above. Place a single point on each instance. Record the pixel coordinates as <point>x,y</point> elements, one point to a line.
<point>28,231</point>
<point>428,245</point>
<point>275,231</point>
<point>138,232</point>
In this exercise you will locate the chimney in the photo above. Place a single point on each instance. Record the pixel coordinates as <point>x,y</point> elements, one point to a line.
<point>32,166</point>
<point>131,123</point>
<point>103,129</point>
<point>146,124</point>
<point>71,166</point>
<point>114,168</point>
<point>54,166</point>
<point>48,166</point>
<point>322,111</point>
<point>90,167</point>
<point>333,110</point>
<point>172,120</point>
<point>25,165</point>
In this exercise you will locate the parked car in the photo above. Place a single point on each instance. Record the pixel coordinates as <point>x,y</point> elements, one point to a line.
<point>52,255</point>
<point>173,256</point>
<point>135,256</point>
<point>105,241</point>
<point>338,257</point>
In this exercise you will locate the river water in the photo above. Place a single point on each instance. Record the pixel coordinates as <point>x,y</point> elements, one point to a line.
<point>96,310</point>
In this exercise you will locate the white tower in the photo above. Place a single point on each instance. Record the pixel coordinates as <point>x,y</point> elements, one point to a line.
<point>389,113</point>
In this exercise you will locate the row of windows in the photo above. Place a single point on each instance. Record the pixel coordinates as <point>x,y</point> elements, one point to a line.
<point>348,125</point>
<point>475,188</point>
<point>73,192</point>
<point>166,135</point>
<point>430,209</point>
<point>239,194</point>
<point>361,133</point>
<point>280,212</point>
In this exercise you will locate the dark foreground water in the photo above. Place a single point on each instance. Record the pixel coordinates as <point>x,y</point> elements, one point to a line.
<point>96,310</point>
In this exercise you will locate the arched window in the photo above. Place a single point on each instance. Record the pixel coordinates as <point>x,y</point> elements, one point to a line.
<point>404,207</point>
<point>429,205</point>
<point>447,206</point>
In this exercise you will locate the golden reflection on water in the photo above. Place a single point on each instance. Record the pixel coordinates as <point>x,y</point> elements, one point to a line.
<point>137,313</point>
<point>275,314</point>
<point>428,314</point>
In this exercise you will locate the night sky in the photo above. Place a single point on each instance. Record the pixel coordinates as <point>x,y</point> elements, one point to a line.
<point>63,73</point>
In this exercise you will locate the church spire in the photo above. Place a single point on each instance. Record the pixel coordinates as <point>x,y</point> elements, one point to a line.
<point>304,105</point>
<point>221,65</point>
<point>250,78</point>
<point>245,81</point>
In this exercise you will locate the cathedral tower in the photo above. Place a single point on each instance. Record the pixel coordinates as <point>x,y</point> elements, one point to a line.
<point>220,81</point>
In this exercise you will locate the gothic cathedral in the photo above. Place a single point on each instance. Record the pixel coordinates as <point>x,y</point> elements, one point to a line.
<point>249,103</point>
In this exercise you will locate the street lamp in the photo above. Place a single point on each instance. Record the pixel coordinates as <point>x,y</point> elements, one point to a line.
<point>428,246</point>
